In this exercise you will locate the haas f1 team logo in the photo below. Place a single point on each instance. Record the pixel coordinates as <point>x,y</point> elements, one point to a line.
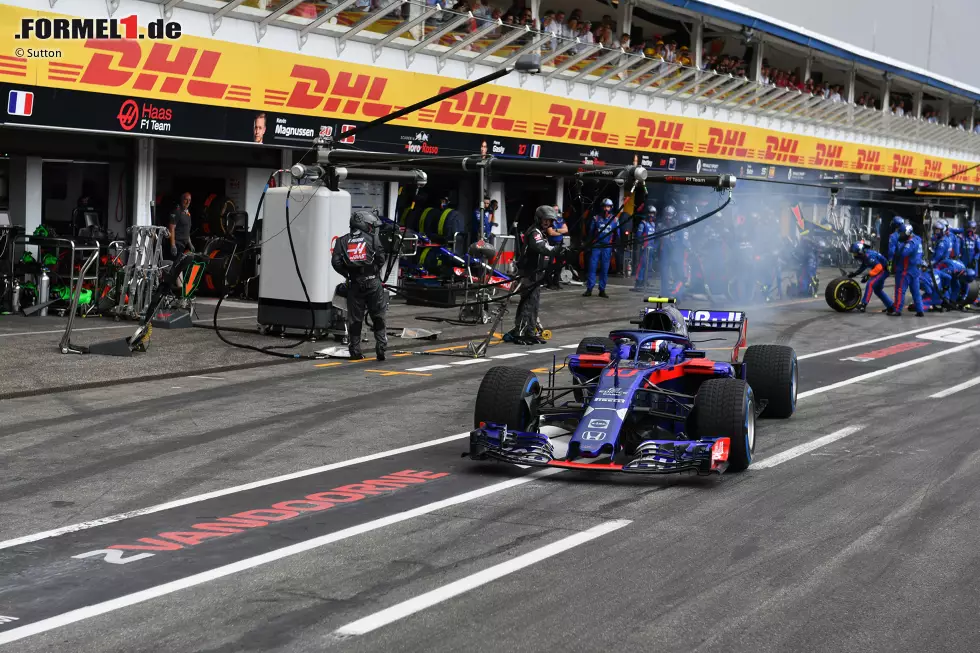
<point>147,117</point>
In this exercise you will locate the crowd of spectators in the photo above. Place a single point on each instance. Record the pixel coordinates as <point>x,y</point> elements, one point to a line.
<point>561,26</point>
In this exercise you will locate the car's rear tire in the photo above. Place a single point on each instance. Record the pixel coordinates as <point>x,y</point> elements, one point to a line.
<point>726,408</point>
<point>773,373</point>
<point>843,294</point>
<point>508,396</point>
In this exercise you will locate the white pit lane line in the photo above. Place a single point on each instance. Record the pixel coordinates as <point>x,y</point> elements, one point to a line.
<point>933,327</point>
<point>463,585</point>
<point>97,609</point>
<point>806,447</point>
<point>956,388</point>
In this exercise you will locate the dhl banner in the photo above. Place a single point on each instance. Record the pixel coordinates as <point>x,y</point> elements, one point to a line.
<point>218,73</point>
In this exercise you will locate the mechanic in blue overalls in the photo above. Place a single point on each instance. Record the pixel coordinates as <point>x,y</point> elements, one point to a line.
<point>556,236</point>
<point>878,266</point>
<point>947,268</point>
<point>644,235</point>
<point>898,227</point>
<point>483,220</point>
<point>968,252</point>
<point>808,252</point>
<point>908,258</point>
<point>602,234</point>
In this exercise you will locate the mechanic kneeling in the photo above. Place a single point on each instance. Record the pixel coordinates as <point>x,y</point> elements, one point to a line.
<point>358,256</point>
<point>532,266</point>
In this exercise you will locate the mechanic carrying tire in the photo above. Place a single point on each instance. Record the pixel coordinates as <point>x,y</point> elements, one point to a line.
<point>532,265</point>
<point>359,257</point>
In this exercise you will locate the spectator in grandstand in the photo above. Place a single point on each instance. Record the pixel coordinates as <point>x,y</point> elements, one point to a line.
<point>585,36</point>
<point>604,36</point>
<point>835,94</point>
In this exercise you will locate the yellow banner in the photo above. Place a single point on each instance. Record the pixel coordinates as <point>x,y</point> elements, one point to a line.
<point>208,71</point>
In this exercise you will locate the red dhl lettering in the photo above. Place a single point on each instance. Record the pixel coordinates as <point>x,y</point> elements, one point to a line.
<point>277,512</point>
<point>829,156</point>
<point>577,124</point>
<point>662,135</point>
<point>727,142</point>
<point>958,169</point>
<point>933,169</point>
<point>869,160</point>
<point>121,63</point>
<point>343,92</point>
<point>782,150</point>
<point>475,109</point>
<point>902,164</point>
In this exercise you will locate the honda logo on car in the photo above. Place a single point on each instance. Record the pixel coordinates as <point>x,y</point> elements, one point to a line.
<point>599,424</point>
<point>593,435</point>
<point>148,117</point>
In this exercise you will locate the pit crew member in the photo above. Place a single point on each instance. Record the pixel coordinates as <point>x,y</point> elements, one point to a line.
<point>532,265</point>
<point>878,266</point>
<point>908,258</point>
<point>359,257</point>
<point>602,235</point>
<point>644,235</point>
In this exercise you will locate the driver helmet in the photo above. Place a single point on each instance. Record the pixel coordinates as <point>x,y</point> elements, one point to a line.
<point>364,221</point>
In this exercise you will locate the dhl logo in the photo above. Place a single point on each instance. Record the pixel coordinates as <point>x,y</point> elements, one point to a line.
<point>958,170</point>
<point>933,169</point>
<point>165,68</point>
<point>727,143</point>
<point>868,160</point>
<point>342,92</point>
<point>662,136</point>
<point>829,156</point>
<point>782,150</point>
<point>902,165</point>
<point>576,124</point>
<point>475,109</point>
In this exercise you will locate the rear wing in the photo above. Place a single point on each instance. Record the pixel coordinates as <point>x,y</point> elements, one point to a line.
<point>700,320</point>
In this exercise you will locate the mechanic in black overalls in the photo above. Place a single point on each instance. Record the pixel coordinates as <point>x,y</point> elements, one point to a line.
<point>180,228</point>
<point>358,256</point>
<point>532,266</point>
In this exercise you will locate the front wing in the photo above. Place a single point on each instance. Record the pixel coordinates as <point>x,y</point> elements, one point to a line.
<point>704,457</point>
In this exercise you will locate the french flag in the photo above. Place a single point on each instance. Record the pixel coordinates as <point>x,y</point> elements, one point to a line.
<point>20,103</point>
<point>535,151</point>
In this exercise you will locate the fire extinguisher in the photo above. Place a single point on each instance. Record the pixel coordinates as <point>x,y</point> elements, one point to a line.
<point>43,290</point>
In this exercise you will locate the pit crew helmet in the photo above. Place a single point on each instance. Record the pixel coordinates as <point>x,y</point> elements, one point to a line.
<point>897,222</point>
<point>857,249</point>
<point>940,228</point>
<point>364,221</point>
<point>544,213</point>
<point>971,227</point>
<point>651,211</point>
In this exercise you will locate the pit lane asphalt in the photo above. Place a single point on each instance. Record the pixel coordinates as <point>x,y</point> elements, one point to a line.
<point>867,542</point>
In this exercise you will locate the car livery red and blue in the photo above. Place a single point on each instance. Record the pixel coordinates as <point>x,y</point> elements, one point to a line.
<point>641,400</point>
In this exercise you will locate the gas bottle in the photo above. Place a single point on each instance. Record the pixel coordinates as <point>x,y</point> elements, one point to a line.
<point>43,290</point>
<point>15,298</point>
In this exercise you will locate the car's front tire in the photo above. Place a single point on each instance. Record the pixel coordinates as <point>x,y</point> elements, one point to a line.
<point>508,396</point>
<point>726,408</point>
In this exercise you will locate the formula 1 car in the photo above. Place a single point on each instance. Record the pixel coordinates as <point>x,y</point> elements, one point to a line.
<point>642,400</point>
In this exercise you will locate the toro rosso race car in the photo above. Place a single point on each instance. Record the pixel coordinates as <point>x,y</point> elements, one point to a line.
<point>642,400</point>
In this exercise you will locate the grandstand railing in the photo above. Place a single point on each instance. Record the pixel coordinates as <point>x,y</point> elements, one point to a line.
<point>416,26</point>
